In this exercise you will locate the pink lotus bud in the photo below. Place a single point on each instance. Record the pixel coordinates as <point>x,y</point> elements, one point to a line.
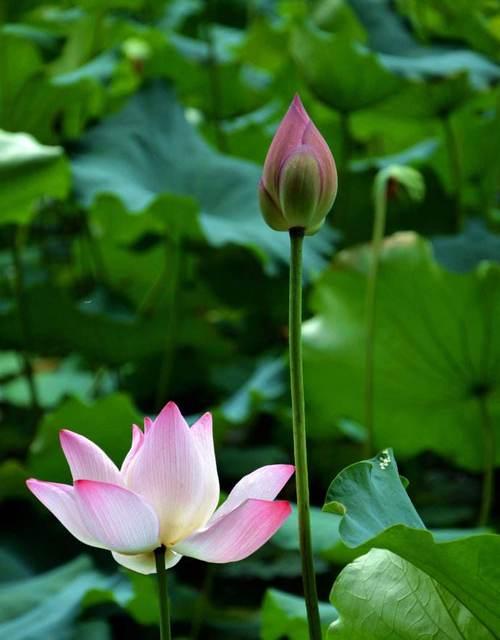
<point>299,183</point>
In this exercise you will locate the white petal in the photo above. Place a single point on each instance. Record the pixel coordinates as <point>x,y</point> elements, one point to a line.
<point>263,484</point>
<point>174,474</point>
<point>145,562</point>
<point>137,440</point>
<point>60,501</point>
<point>239,534</point>
<point>86,460</point>
<point>203,436</point>
<point>120,519</point>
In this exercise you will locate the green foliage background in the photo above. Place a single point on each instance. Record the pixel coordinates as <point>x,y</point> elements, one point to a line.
<point>135,268</point>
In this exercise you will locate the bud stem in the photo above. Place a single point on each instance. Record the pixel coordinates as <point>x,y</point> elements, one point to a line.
<point>378,232</point>
<point>299,433</point>
<point>161,574</point>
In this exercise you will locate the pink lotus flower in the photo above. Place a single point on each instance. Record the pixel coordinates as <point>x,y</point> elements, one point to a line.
<point>299,183</point>
<point>165,493</point>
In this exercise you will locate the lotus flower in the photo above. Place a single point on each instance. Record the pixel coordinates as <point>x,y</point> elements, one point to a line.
<point>299,183</point>
<point>166,493</point>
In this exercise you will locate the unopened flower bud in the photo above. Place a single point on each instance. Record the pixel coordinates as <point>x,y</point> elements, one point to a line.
<point>299,182</point>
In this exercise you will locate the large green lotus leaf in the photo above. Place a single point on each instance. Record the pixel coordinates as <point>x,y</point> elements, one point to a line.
<point>144,277</point>
<point>284,616</point>
<point>249,136</point>
<point>63,103</point>
<point>240,87</point>
<point>20,62</point>
<point>174,217</point>
<point>403,53</point>
<point>46,41</point>
<point>339,17</point>
<point>468,20</point>
<point>53,382</point>
<point>260,391</point>
<point>380,595</point>
<point>360,80</point>
<point>148,149</point>
<point>45,606</point>
<point>265,41</point>
<point>417,155</point>
<point>107,333</point>
<point>437,354</point>
<point>464,251</point>
<point>28,172</point>
<point>480,125</point>
<point>462,574</point>
<point>433,98</point>
<point>107,422</point>
<point>65,326</point>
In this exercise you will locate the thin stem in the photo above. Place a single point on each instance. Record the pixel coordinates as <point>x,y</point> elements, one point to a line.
<point>213,76</point>
<point>173,255</point>
<point>455,163</point>
<point>299,433</point>
<point>489,460</point>
<point>371,299</point>
<point>161,573</point>
<point>23,315</point>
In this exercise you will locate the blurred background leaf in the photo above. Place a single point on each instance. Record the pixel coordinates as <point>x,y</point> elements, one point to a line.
<point>435,350</point>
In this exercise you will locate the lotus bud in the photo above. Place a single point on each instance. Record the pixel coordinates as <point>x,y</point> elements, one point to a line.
<point>299,182</point>
<point>388,180</point>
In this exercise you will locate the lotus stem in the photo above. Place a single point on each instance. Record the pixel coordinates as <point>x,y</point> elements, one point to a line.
<point>299,433</point>
<point>161,572</point>
<point>371,299</point>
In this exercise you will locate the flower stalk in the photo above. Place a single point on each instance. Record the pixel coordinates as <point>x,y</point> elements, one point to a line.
<point>371,288</point>
<point>412,181</point>
<point>161,573</point>
<point>299,432</point>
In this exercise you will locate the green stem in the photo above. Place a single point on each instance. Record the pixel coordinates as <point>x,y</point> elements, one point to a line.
<point>161,573</point>
<point>371,299</point>
<point>213,76</point>
<point>23,315</point>
<point>173,255</point>
<point>489,461</point>
<point>299,433</point>
<point>455,162</point>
